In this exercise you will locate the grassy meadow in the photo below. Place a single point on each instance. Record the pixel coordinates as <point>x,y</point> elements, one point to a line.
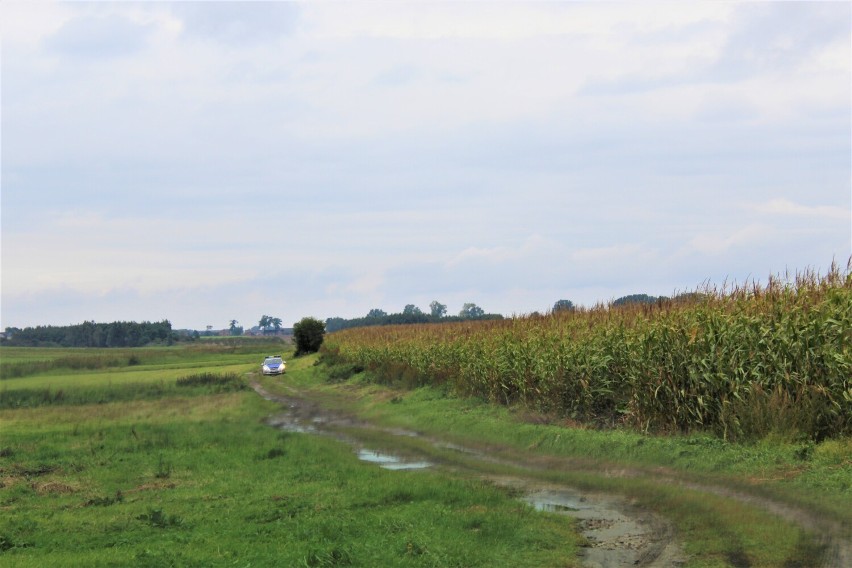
<point>160,457</point>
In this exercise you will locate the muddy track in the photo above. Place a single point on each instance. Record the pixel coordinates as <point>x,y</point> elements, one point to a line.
<point>619,533</point>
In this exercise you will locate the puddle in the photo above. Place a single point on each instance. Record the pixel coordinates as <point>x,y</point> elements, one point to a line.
<point>615,540</point>
<point>288,423</point>
<point>556,502</point>
<point>390,461</point>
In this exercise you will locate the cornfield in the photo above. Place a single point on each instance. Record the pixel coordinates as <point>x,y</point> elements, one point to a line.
<point>742,362</point>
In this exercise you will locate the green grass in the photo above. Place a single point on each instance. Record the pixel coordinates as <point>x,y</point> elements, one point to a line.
<point>195,478</point>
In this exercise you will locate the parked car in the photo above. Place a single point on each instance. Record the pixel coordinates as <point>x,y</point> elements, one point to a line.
<point>273,365</point>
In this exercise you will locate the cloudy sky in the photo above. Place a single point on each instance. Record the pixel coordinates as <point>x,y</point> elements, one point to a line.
<point>202,162</point>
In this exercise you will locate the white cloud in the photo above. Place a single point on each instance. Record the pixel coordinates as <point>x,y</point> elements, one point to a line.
<point>785,207</point>
<point>747,237</point>
<point>534,245</point>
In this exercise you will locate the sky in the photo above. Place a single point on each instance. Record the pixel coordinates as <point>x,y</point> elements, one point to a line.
<point>202,162</point>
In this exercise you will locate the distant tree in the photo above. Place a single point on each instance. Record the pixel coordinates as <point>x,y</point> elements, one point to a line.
<point>336,324</point>
<point>308,334</point>
<point>10,331</point>
<point>635,299</point>
<point>269,323</point>
<point>437,309</point>
<point>411,310</point>
<point>561,305</point>
<point>377,313</point>
<point>471,311</point>
<point>91,334</point>
<point>235,329</point>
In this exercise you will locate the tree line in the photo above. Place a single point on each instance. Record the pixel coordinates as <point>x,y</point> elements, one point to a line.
<point>91,334</point>
<point>411,314</point>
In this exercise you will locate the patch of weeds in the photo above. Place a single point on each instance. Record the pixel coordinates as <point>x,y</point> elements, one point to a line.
<point>7,452</point>
<point>342,372</point>
<point>164,469</point>
<point>396,526</point>
<point>274,453</point>
<point>398,496</point>
<point>334,557</point>
<point>805,452</point>
<point>158,558</point>
<point>413,548</point>
<point>214,382</point>
<point>35,471</point>
<point>284,511</point>
<point>157,518</point>
<point>105,501</point>
<point>8,543</point>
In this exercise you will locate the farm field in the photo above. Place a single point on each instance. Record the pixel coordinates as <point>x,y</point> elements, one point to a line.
<point>741,364</point>
<point>166,457</point>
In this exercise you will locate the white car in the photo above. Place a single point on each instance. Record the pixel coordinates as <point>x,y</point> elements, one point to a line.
<point>273,365</point>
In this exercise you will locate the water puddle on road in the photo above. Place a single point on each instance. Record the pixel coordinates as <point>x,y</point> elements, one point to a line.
<point>288,423</point>
<point>390,461</point>
<point>615,540</point>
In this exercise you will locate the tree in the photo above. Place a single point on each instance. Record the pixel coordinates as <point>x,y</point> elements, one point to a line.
<point>437,309</point>
<point>411,310</point>
<point>308,334</point>
<point>561,305</point>
<point>635,299</point>
<point>471,311</point>
<point>377,313</point>
<point>235,329</point>
<point>267,322</point>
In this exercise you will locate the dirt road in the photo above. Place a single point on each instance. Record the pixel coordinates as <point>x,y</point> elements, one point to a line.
<point>619,533</point>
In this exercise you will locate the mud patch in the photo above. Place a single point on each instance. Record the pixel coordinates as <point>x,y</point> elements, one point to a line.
<point>53,488</point>
<point>616,539</point>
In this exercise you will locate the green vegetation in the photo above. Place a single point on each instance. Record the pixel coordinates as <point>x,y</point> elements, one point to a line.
<point>269,324</point>
<point>741,364</point>
<point>411,314</point>
<point>91,334</point>
<point>190,476</point>
<point>693,481</point>
<point>308,334</point>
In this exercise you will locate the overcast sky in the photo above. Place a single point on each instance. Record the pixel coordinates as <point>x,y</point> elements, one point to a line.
<point>202,162</point>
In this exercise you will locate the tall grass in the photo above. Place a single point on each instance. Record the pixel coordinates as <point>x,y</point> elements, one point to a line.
<point>190,385</point>
<point>741,361</point>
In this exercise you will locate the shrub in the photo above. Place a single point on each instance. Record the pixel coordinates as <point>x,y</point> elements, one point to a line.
<point>308,334</point>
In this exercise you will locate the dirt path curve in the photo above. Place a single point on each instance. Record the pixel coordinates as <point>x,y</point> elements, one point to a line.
<point>619,535</point>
